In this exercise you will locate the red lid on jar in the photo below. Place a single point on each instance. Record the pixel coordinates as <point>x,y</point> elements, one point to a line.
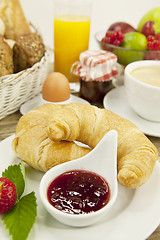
<point>96,65</point>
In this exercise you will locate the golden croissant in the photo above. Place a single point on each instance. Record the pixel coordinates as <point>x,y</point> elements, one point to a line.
<point>44,138</point>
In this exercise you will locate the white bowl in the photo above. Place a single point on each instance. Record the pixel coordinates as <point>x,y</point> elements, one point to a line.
<point>101,160</point>
<point>142,97</point>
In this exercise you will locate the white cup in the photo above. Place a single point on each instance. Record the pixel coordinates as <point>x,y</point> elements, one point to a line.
<point>142,97</point>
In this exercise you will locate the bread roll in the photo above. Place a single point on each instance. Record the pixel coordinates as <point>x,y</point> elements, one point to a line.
<point>6,59</point>
<point>14,19</point>
<point>28,50</point>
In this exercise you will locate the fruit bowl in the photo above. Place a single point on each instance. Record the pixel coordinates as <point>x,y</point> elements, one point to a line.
<point>126,55</point>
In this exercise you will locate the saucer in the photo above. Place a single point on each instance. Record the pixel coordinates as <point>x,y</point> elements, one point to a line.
<point>116,101</point>
<point>37,101</point>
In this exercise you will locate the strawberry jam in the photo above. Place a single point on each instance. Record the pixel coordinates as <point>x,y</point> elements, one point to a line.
<point>78,192</point>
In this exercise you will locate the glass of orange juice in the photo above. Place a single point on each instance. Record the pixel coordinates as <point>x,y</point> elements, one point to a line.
<point>71,34</point>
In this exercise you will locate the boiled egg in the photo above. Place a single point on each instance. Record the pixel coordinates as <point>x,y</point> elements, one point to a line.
<point>56,88</point>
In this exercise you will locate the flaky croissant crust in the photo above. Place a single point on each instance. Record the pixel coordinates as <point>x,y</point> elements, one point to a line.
<point>62,124</point>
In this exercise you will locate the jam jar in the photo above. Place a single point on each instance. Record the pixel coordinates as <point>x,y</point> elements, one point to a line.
<point>96,69</point>
<point>94,91</point>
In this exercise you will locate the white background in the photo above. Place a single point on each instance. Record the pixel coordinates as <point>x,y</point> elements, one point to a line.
<point>104,12</point>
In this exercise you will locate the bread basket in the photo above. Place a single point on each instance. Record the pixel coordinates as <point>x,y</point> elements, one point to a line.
<point>18,88</point>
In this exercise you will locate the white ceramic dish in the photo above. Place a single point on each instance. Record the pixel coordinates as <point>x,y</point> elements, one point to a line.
<point>102,160</point>
<point>143,98</point>
<point>135,215</point>
<point>37,101</point>
<point>116,101</point>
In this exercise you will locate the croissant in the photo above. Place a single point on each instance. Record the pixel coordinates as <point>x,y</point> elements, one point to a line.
<point>44,137</point>
<point>32,144</point>
<point>136,155</point>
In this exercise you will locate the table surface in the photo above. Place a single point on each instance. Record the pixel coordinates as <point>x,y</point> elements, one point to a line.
<point>8,127</point>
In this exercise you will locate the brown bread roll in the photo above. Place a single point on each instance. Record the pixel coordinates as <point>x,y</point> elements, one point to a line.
<point>28,50</point>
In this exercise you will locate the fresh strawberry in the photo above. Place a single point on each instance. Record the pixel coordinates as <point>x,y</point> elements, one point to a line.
<point>8,195</point>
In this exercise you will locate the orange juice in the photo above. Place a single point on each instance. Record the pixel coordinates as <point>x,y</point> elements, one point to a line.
<point>71,37</point>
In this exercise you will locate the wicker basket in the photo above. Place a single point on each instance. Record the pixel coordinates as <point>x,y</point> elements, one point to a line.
<point>18,88</point>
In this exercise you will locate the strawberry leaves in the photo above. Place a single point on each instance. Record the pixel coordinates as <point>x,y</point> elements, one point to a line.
<point>20,219</point>
<point>14,173</point>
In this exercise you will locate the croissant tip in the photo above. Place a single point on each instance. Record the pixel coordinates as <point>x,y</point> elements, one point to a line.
<point>129,179</point>
<point>55,134</point>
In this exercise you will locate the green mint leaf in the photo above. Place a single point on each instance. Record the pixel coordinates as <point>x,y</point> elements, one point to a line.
<point>14,173</point>
<point>21,218</point>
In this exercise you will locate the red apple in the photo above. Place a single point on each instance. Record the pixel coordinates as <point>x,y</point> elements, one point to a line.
<point>150,28</point>
<point>121,26</point>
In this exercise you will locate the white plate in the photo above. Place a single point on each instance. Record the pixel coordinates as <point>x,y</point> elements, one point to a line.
<point>116,101</point>
<point>37,101</point>
<point>135,215</point>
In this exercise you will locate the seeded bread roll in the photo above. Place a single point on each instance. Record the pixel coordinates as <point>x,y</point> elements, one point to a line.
<point>28,50</point>
<point>6,58</point>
